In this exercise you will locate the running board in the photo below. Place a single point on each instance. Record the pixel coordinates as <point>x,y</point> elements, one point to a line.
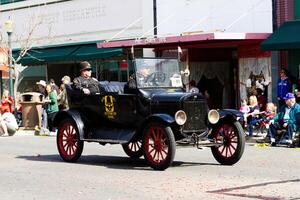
<point>106,141</point>
<point>199,143</point>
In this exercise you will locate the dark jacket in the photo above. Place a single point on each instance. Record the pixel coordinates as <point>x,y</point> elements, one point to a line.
<point>89,83</point>
<point>294,115</point>
<point>283,87</point>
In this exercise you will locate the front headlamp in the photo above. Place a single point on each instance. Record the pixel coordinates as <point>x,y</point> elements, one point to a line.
<point>213,116</point>
<point>180,117</point>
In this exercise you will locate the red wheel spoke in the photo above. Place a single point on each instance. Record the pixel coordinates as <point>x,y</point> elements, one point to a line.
<point>234,148</point>
<point>151,150</point>
<point>154,154</point>
<point>226,152</point>
<point>222,149</point>
<point>161,154</point>
<point>230,152</point>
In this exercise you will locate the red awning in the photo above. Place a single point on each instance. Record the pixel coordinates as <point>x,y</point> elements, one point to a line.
<point>189,41</point>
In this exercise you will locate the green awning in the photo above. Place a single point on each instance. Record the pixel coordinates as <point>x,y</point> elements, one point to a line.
<point>67,53</point>
<point>286,37</point>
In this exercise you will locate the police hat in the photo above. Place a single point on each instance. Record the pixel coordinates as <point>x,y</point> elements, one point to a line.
<point>84,66</point>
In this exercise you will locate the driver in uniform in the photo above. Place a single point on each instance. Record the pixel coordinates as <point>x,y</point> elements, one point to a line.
<point>85,83</point>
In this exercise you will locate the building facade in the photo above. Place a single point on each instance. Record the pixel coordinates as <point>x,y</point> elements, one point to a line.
<point>66,32</point>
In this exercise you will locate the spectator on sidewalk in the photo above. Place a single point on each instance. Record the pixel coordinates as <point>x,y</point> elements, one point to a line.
<point>283,87</point>
<point>52,106</point>
<point>8,122</point>
<point>252,115</point>
<point>285,119</point>
<point>62,99</point>
<point>54,86</point>
<point>7,101</point>
<point>42,90</point>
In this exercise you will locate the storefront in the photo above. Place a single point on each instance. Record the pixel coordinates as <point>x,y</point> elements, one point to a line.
<point>220,63</point>
<point>286,38</point>
<point>60,60</point>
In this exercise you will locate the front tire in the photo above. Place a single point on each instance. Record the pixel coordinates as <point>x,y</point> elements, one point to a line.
<point>159,145</point>
<point>68,141</point>
<point>232,136</point>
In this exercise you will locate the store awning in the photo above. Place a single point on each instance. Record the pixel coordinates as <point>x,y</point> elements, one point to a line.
<point>66,53</point>
<point>201,40</point>
<point>286,37</point>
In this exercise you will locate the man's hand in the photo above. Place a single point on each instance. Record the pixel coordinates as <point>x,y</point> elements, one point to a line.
<point>86,91</point>
<point>285,125</point>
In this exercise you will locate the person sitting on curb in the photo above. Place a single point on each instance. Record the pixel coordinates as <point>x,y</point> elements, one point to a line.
<point>284,119</point>
<point>8,122</point>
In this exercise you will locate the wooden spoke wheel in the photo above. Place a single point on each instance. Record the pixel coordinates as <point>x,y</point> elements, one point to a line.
<point>68,141</point>
<point>232,136</point>
<point>133,149</point>
<point>159,145</point>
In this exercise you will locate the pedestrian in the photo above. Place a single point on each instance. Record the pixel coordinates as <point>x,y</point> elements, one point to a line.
<point>62,99</point>
<point>52,106</point>
<point>42,90</point>
<point>54,86</point>
<point>7,101</point>
<point>283,87</point>
<point>85,82</point>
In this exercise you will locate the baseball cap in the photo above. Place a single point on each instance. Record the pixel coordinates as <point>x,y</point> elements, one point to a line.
<point>289,96</point>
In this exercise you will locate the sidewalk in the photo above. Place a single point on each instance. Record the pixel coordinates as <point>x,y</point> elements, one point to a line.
<point>23,132</point>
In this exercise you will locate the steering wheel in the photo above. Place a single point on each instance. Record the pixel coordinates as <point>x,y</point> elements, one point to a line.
<point>156,78</point>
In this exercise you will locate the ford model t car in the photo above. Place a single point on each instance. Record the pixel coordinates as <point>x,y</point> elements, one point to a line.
<point>149,117</point>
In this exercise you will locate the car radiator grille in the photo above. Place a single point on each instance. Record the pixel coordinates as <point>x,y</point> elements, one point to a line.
<point>196,113</point>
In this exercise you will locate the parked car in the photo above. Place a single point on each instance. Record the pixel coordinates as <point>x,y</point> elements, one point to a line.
<point>149,119</point>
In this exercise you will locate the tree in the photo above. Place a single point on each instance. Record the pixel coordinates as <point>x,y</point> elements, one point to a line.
<point>25,41</point>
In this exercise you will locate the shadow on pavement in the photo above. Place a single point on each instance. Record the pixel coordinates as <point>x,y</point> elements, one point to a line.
<point>235,190</point>
<point>115,162</point>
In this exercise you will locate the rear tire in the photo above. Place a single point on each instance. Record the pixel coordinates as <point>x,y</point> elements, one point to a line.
<point>159,145</point>
<point>68,141</point>
<point>232,135</point>
<point>133,149</point>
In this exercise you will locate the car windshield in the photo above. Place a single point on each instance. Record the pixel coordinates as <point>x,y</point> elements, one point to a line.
<point>157,73</point>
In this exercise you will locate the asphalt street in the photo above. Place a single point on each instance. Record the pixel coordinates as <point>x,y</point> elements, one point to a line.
<point>32,169</point>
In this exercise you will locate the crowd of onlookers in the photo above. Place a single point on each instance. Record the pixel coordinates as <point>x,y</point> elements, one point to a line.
<point>260,114</point>
<point>54,99</point>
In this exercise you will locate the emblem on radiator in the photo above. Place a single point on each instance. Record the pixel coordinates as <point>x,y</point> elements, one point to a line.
<point>109,106</point>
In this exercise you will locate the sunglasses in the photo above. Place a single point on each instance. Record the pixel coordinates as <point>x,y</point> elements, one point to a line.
<point>87,70</point>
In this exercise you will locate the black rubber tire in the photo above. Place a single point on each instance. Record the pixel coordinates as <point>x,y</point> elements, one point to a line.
<point>229,140</point>
<point>137,146</point>
<point>164,146</point>
<point>68,141</point>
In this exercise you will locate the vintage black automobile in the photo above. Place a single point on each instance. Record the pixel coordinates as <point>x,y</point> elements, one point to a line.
<point>149,119</point>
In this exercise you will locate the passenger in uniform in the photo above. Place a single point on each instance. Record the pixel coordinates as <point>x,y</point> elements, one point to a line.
<point>85,83</point>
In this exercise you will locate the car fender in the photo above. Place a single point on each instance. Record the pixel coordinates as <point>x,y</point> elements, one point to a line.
<point>232,115</point>
<point>162,117</point>
<point>72,114</point>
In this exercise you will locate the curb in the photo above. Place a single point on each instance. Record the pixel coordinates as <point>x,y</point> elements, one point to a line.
<point>31,133</point>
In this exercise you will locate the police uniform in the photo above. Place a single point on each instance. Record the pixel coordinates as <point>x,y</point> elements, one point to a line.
<point>89,83</point>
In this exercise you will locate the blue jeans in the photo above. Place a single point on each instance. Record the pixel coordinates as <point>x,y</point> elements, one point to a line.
<point>278,126</point>
<point>251,124</point>
<point>44,121</point>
